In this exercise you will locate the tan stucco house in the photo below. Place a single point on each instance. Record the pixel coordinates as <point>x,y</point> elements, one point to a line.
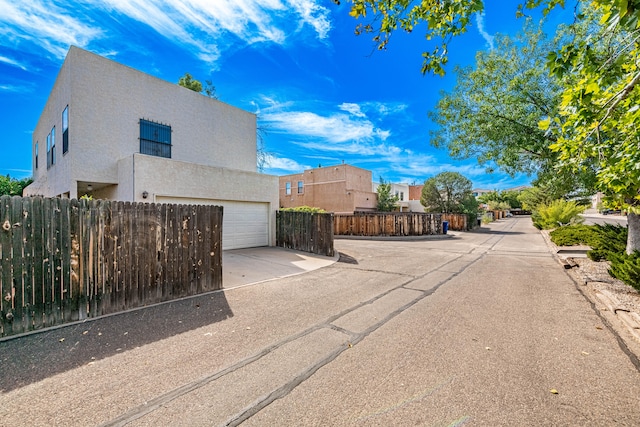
<point>339,189</point>
<point>113,132</point>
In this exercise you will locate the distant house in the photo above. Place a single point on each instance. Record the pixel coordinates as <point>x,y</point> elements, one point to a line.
<point>339,189</point>
<point>402,192</point>
<point>415,192</point>
<point>479,192</point>
<point>112,132</point>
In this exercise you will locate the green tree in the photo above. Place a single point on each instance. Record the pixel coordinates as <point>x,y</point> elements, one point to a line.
<point>494,110</point>
<point>503,198</point>
<point>195,85</point>
<point>210,90</point>
<point>387,202</point>
<point>599,71</point>
<point>448,192</point>
<point>511,198</point>
<point>533,197</point>
<point>13,187</point>
<point>190,83</point>
<point>597,123</point>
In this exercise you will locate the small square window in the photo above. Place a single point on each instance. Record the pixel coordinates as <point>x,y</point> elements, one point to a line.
<point>155,139</point>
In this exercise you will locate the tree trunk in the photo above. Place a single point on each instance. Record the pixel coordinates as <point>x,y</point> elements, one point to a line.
<point>633,225</point>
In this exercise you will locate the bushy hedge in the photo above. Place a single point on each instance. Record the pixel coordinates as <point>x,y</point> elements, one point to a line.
<point>307,209</point>
<point>608,242</point>
<point>626,268</point>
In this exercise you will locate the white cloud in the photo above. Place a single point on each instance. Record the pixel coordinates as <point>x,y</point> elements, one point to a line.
<point>45,24</point>
<point>281,165</point>
<point>314,15</point>
<point>485,35</point>
<point>334,128</point>
<point>208,27</point>
<point>205,25</point>
<point>352,108</point>
<point>13,88</point>
<point>12,62</point>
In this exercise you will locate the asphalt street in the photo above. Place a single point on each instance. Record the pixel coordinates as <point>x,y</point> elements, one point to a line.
<point>484,328</point>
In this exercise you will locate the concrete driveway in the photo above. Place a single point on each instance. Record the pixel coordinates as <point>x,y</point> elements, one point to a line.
<point>254,265</point>
<point>482,329</point>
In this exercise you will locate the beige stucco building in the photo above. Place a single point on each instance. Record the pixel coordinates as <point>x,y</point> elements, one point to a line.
<point>339,189</point>
<point>113,132</point>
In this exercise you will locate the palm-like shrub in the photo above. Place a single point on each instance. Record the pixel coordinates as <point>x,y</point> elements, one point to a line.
<point>557,214</point>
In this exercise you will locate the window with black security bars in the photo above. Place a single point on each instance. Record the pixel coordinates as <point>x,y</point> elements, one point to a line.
<point>155,139</point>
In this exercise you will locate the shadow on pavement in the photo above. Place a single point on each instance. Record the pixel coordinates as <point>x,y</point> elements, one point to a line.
<point>34,357</point>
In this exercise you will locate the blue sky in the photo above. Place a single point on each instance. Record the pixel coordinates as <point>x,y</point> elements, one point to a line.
<point>322,94</point>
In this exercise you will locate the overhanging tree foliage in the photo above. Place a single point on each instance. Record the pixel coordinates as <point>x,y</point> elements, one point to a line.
<point>599,68</point>
<point>493,112</point>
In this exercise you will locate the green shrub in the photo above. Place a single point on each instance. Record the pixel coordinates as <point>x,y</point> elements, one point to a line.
<point>574,235</point>
<point>307,209</point>
<point>626,268</point>
<point>607,242</point>
<point>612,237</point>
<point>557,213</point>
<point>603,239</point>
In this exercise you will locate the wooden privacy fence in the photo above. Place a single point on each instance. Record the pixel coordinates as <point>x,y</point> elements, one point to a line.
<point>458,222</point>
<point>387,224</point>
<point>304,231</point>
<point>63,260</point>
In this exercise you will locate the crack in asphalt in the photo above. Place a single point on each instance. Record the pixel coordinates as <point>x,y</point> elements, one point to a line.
<point>353,339</point>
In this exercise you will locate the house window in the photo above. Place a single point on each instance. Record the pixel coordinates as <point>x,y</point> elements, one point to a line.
<point>155,139</point>
<point>65,130</point>
<point>401,195</point>
<point>300,187</point>
<point>51,148</point>
<point>48,151</point>
<point>36,156</point>
<point>287,188</point>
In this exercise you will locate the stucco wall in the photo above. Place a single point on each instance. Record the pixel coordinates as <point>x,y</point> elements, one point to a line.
<point>54,180</point>
<point>193,181</point>
<point>341,189</point>
<point>106,101</point>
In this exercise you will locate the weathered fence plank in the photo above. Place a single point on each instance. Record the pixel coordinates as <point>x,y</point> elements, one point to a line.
<point>65,260</point>
<point>304,231</point>
<point>394,223</point>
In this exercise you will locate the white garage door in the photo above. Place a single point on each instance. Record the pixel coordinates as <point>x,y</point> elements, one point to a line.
<point>244,224</point>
